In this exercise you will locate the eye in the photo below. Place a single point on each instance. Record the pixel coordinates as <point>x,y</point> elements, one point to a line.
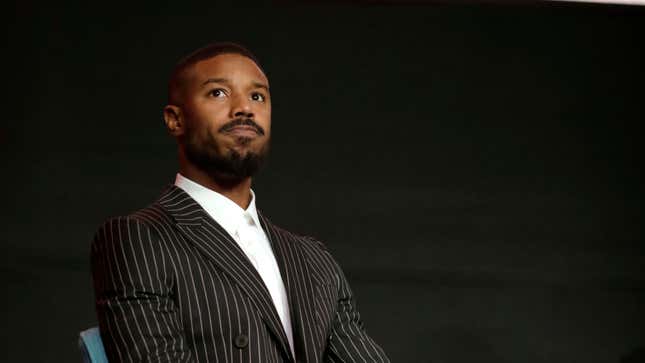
<point>258,97</point>
<point>217,92</point>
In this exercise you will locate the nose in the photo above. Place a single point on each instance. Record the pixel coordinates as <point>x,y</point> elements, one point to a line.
<point>241,107</point>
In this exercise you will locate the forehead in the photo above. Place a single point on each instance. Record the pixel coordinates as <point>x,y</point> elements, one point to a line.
<point>228,66</point>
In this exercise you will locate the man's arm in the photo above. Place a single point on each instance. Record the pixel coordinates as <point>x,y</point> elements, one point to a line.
<point>349,341</point>
<point>138,318</point>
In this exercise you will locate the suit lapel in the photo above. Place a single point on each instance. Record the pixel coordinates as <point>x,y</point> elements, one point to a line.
<point>294,268</point>
<point>220,248</point>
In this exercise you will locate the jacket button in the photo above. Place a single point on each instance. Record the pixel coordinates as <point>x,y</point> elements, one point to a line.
<point>241,341</point>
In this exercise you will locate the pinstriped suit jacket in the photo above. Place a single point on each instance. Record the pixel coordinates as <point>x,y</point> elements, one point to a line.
<point>172,286</point>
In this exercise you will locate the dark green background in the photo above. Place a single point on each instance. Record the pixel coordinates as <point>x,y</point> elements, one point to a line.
<point>476,169</point>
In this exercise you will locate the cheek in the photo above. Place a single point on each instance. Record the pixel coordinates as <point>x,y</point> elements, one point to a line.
<point>201,106</point>
<point>266,126</point>
<point>264,118</point>
<point>207,118</point>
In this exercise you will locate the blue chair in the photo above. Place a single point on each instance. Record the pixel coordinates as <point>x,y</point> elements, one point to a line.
<point>91,346</point>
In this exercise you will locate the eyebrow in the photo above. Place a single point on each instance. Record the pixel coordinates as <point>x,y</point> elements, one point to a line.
<point>226,81</point>
<point>215,80</point>
<point>260,85</point>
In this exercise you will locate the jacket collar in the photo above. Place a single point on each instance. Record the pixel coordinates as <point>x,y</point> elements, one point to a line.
<point>295,270</point>
<point>220,248</point>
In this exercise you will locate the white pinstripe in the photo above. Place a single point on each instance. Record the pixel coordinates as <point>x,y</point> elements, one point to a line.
<point>172,286</point>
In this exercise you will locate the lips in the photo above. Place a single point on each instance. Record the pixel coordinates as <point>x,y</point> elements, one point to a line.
<point>243,131</point>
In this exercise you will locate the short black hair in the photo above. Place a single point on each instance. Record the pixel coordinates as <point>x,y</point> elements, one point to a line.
<point>178,75</point>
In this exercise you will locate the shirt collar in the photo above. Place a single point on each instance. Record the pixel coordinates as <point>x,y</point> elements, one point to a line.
<point>223,210</point>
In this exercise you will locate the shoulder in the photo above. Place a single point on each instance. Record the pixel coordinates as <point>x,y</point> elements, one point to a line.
<point>314,250</point>
<point>287,236</point>
<point>148,224</point>
<point>156,214</point>
<point>148,217</point>
<point>126,246</point>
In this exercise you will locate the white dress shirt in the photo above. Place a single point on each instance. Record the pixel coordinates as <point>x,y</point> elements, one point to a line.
<point>244,226</point>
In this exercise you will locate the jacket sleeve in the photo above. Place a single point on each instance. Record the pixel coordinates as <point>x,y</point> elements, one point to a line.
<point>133,286</point>
<point>348,341</point>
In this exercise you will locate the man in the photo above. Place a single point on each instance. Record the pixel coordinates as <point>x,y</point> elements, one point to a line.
<point>201,275</point>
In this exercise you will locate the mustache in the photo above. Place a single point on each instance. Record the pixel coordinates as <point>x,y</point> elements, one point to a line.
<point>242,122</point>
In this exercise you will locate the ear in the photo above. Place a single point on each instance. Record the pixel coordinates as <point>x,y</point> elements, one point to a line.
<point>174,120</point>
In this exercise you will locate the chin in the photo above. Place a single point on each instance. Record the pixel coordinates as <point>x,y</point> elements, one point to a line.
<point>249,146</point>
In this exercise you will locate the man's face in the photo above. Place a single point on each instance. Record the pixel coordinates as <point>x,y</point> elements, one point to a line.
<point>226,110</point>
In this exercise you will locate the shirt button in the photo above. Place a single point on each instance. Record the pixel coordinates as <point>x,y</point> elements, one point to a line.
<point>241,341</point>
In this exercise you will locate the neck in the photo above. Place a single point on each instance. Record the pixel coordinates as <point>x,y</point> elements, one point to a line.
<point>237,190</point>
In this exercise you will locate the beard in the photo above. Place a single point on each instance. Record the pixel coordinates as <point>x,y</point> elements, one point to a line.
<point>205,154</point>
